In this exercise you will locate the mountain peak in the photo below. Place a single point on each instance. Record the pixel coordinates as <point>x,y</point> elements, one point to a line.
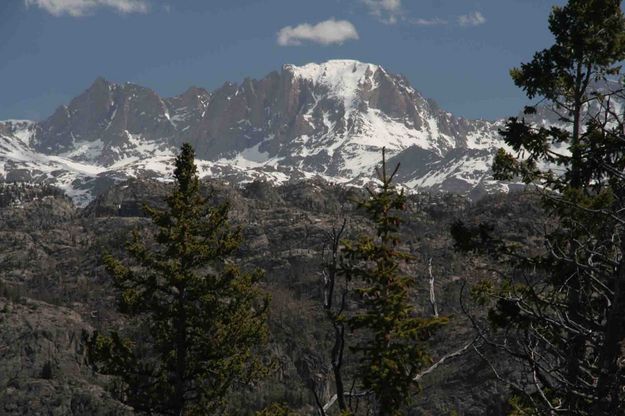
<point>332,69</point>
<point>99,82</point>
<point>194,91</point>
<point>344,78</point>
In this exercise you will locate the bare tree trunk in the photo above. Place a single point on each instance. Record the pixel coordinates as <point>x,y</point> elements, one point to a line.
<point>432,291</point>
<point>334,314</point>
<point>574,296</point>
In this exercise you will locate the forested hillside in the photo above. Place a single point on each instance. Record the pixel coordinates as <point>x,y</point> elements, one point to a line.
<point>55,287</point>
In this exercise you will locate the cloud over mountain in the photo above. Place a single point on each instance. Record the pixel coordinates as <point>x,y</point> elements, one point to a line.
<point>328,32</point>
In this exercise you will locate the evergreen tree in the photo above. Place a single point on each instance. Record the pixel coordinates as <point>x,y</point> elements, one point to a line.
<point>563,315</point>
<point>201,317</point>
<point>392,348</point>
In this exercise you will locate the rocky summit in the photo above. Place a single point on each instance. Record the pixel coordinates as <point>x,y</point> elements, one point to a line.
<point>327,120</point>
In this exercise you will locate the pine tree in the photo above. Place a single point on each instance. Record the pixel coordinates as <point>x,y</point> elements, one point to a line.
<point>559,319</point>
<point>392,348</point>
<point>201,318</point>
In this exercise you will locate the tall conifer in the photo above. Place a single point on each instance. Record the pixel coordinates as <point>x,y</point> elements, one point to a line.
<point>559,312</point>
<point>202,319</point>
<point>392,346</point>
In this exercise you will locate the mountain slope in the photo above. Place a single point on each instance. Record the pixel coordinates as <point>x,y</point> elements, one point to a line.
<point>329,120</point>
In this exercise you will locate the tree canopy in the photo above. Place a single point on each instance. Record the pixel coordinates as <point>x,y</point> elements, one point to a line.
<point>561,313</point>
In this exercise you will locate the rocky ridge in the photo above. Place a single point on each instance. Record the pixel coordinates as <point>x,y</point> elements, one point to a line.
<point>326,120</point>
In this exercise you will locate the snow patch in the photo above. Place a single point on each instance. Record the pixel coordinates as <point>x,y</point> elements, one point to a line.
<point>344,79</point>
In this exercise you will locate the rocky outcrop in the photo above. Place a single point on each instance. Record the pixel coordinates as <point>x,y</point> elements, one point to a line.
<point>42,363</point>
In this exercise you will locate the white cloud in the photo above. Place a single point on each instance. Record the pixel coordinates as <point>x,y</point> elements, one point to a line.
<point>388,11</point>
<point>429,22</point>
<point>325,33</point>
<point>471,19</point>
<point>78,8</point>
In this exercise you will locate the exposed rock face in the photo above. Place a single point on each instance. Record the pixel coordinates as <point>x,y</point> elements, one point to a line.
<point>329,120</point>
<point>100,125</point>
<point>42,363</point>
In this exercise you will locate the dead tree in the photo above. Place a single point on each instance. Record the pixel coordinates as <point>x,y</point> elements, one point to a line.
<point>334,303</point>
<point>432,291</point>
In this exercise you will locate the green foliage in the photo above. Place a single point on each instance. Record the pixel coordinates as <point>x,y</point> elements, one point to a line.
<point>588,33</point>
<point>482,292</point>
<point>521,407</point>
<point>561,311</point>
<point>202,318</point>
<point>276,409</point>
<point>589,45</point>
<point>393,349</point>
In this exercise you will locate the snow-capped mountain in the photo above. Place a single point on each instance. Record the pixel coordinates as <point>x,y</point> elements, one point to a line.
<point>327,120</point>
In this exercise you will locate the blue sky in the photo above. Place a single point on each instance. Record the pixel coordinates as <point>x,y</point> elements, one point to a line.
<point>457,52</point>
